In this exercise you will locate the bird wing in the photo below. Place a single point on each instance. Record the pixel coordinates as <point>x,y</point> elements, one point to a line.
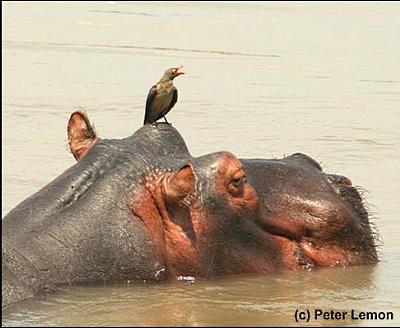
<point>150,98</point>
<point>172,103</point>
<point>174,99</point>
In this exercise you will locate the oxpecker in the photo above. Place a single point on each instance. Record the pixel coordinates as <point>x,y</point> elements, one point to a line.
<point>162,96</point>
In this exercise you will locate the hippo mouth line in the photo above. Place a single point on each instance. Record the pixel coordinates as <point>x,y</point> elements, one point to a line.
<point>299,249</point>
<point>286,233</point>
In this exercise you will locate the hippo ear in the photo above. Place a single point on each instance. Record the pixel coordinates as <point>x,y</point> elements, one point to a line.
<point>81,134</point>
<point>180,184</point>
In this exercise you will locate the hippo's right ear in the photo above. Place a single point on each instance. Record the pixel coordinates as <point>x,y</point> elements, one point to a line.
<point>180,184</point>
<point>81,134</point>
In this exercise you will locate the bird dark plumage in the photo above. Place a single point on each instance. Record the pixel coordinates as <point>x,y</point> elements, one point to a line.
<point>162,96</point>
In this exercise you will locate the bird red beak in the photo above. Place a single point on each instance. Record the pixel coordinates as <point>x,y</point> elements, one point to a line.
<point>178,71</point>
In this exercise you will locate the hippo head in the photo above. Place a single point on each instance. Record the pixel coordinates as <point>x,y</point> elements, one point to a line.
<point>224,215</point>
<point>216,214</point>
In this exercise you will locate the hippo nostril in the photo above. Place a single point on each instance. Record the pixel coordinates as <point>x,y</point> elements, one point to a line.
<point>339,179</point>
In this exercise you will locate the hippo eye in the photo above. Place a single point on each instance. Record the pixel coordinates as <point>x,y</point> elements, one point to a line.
<point>239,182</point>
<point>235,186</point>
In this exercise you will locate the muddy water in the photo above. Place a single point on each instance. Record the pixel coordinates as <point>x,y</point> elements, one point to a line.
<point>265,80</point>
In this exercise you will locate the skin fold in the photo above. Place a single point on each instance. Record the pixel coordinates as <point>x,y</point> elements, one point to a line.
<point>143,208</point>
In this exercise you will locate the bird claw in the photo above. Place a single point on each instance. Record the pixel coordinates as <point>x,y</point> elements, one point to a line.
<point>156,124</point>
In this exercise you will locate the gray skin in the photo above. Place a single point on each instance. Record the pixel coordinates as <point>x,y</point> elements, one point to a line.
<point>79,228</point>
<point>162,96</point>
<point>88,225</point>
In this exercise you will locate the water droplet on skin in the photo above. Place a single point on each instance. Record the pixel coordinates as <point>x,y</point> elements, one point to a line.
<point>159,272</point>
<point>186,278</point>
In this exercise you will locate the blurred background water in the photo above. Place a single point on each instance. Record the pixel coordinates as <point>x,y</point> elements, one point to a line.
<point>264,80</point>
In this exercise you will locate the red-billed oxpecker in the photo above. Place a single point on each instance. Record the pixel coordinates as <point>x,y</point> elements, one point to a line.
<point>162,96</point>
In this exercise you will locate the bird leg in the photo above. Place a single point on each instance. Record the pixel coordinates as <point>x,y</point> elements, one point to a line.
<point>165,118</point>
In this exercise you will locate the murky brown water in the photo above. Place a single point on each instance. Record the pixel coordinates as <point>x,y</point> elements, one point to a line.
<point>265,80</point>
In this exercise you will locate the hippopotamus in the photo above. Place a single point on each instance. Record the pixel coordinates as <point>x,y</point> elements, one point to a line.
<point>143,208</point>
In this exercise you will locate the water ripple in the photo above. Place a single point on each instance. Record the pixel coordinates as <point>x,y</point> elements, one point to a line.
<point>35,44</point>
